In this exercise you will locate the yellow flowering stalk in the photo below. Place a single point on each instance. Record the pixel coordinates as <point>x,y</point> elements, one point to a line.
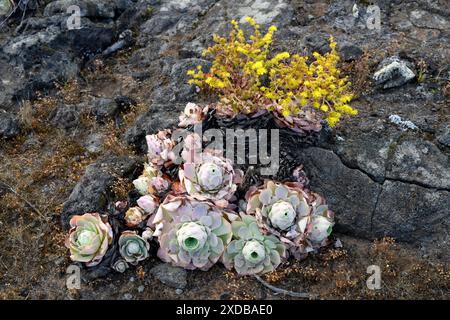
<point>248,79</point>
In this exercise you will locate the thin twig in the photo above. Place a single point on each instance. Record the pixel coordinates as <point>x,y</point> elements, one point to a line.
<point>21,21</point>
<point>283,291</point>
<point>11,189</point>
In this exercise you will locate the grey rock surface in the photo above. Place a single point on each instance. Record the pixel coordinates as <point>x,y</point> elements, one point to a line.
<point>422,217</point>
<point>89,8</point>
<point>94,143</point>
<point>444,135</point>
<point>393,72</point>
<point>171,276</point>
<point>66,117</point>
<point>349,192</point>
<point>93,192</point>
<point>420,162</point>
<point>104,109</point>
<point>160,116</point>
<point>9,125</point>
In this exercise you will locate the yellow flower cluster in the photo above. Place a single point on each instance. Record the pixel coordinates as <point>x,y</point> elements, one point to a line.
<point>248,79</point>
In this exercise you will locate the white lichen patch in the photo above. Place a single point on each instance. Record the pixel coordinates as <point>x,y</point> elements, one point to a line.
<point>403,124</point>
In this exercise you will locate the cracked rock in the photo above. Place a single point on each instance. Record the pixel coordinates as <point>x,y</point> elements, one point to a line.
<point>349,192</point>
<point>420,162</point>
<point>365,208</point>
<point>393,72</point>
<point>371,159</point>
<point>411,213</point>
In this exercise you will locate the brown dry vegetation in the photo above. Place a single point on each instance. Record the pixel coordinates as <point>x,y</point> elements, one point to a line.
<point>41,170</point>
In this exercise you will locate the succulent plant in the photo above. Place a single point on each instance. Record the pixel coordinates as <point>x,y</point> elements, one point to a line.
<point>192,148</point>
<point>192,234</point>
<point>192,114</point>
<point>120,265</point>
<point>300,175</point>
<point>151,181</point>
<point>148,203</point>
<point>300,219</point>
<point>251,252</point>
<point>132,247</point>
<point>319,225</point>
<point>6,7</point>
<point>121,205</point>
<point>306,121</point>
<point>160,147</point>
<point>211,179</point>
<point>147,234</point>
<point>89,238</point>
<point>134,216</point>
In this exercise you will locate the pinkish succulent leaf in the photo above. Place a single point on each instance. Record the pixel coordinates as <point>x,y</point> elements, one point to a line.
<point>251,252</point>
<point>211,179</point>
<point>298,217</point>
<point>192,234</point>
<point>89,238</point>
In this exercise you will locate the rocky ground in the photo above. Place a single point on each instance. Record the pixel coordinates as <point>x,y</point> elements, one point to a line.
<point>75,106</point>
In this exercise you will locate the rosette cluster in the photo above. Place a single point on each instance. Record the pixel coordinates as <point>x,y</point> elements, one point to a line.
<point>160,147</point>
<point>192,234</point>
<point>192,115</point>
<point>189,211</point>
<point>151,181</point>
<point>300,219</point>
<point>213,178</point>
<point>251,252</point>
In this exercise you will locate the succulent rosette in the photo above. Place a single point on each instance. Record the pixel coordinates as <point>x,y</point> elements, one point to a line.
<point>89,238</point>
<point>192,234</point>
<point>319,226</point>
<point>211,179</point>
<point>148,203</point>
<point>151,181</point>
<point>6,7</point>
<point>132,247</point>
<point>192,148</point>
<point>298,218</point>
<point>252,252</point>
<point>134,216</point>
<point>120,265</point>
<point>160,147</point>
<point>192,114</point>
<point>147,206</point>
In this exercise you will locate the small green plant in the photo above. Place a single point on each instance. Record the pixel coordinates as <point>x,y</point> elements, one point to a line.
<point>248,78</point>
<point>150,10</point>
<point>422,71</point>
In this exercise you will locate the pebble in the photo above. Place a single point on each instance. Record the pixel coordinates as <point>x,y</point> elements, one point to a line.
<point>128,296</point>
